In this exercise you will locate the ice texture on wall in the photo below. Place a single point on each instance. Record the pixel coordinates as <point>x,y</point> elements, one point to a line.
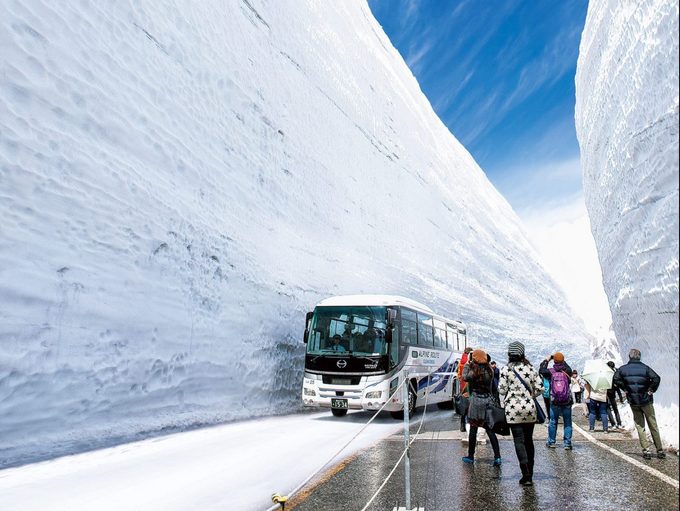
<point>627,124</point>
<point>181,183</point>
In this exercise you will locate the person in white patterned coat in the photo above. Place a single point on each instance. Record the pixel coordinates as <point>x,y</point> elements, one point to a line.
<point>520,411</point>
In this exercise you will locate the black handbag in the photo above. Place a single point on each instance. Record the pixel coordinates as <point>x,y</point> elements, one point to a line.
<point>540,414</point>
<point>462,404</point>
<point>495,419</point>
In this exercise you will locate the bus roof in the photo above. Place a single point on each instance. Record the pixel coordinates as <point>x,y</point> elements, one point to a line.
<point>373,301</point>
<point>382,301</point>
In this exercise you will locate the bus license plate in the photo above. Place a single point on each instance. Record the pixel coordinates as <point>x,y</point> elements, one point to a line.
<point>339,403</point>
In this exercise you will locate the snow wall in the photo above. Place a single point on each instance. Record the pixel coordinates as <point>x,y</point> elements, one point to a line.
<point>181,184</point>
<point>627,124</point>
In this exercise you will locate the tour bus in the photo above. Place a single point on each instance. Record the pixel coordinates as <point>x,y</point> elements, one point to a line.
<point>358,347</point>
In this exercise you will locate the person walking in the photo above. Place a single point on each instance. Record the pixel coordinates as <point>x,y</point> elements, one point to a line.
<point>546,395</point>
<point>560,397</point>
<point>576,388</point>
<point>479,377</point>
<point>640,382</point>
<point>465,357</point>
<point>496,375</point>
<point>519,384</point>
<point>597,407</point>
<point>612,394</point>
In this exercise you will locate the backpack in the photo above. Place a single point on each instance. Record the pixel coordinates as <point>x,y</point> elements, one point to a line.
<point>560,391</point>
<point>546,388</point>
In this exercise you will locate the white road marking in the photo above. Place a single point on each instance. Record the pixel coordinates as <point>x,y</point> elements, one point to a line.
<point>635,462</point>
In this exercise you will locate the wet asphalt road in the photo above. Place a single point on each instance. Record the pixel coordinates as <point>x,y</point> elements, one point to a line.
<point>588,478</point>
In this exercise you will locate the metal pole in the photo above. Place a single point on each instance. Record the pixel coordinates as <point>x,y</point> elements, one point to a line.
<point>407,460</point>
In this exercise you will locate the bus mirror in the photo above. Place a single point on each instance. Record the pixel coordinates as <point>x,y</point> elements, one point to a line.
<point>388,335</point>
<point>308,318</point>
<point>391,317</point>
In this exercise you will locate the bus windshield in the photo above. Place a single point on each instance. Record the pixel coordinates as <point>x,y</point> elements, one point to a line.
<point>349,330</point>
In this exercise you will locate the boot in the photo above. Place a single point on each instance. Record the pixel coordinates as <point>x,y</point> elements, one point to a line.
<point>526,476</point>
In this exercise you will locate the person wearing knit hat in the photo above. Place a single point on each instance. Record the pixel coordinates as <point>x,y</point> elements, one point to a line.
<point>559,378</point>
<point>519,383</point>
<point>479,375</point>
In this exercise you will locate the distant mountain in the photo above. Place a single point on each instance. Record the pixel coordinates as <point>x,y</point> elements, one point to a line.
<point>180,184</point>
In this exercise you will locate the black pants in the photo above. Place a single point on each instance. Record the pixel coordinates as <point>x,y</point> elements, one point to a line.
<point>546,401</point>
<point>522,436</point>
<point>472,442</point>
<point>577,396</point>
<point>615,409</point>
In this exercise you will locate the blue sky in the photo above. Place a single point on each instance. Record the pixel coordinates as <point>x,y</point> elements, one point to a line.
<point>500,75</point>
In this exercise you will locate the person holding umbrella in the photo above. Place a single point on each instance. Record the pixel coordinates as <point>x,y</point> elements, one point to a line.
<point>598,377</point>
<point>640,382</point>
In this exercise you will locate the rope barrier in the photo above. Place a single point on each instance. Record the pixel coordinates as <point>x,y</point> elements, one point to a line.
<point>313,474</point>
<point>422,420</point>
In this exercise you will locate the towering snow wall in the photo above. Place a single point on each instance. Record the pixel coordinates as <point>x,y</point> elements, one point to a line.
<point>181,184</point>
<point>627,124</point>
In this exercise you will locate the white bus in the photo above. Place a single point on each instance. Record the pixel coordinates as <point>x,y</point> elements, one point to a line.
<point>358,347</point>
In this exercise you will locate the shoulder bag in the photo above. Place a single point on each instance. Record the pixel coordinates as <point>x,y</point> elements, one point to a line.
<point>540,414</point>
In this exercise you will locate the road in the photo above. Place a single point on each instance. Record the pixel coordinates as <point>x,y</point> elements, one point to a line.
<point>591,477</point>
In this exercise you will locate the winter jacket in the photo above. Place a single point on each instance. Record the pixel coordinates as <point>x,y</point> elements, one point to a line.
<point>481,391</point>
<point>637,380</point>
<point>518,401</point>
<point>461,365</point>
<point>557,366</point>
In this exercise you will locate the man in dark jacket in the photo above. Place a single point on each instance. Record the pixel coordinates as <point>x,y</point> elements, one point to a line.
<point>640,382</point>
<point>559,377</point>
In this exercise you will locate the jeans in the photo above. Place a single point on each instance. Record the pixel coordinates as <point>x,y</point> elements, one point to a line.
<point>640,413</point>
<point>598,408</point>
<point>522,436</point>
<point>472,442</point>
<point>555,412</point>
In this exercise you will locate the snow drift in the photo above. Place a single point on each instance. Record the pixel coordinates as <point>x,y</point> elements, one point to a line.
<point>181,184</point>
<point>627,124</point>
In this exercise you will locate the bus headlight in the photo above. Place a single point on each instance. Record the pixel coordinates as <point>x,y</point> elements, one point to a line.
<point>374,395</point>
<point>309,392</point>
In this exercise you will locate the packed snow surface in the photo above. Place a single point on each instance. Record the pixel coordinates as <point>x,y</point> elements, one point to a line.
<point>180,183</point>
<point>234,466</point>
<point>627,123</point>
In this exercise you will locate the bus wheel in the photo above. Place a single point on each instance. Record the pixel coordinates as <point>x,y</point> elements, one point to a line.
<point>339,412</point>
<point>411,404</point>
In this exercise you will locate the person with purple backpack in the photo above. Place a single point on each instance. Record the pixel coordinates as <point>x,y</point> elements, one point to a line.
<point>559,376</point>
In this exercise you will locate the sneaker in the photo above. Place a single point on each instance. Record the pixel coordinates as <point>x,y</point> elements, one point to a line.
<point>467,459</point>
<point>647,455</point>
<point>606,431</point>
<point>591,429</point>
<point>497,462</point>
<point>550,446</point>
<point>661,455</point>
<point>568,447</point>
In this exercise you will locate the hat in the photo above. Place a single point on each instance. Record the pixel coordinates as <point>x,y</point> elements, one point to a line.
<point>516,348</point>
<point>558,357</point>
<point>479,356</point>
<point>611,364</point>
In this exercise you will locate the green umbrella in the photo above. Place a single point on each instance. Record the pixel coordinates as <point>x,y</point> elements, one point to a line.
<point>598,374</point>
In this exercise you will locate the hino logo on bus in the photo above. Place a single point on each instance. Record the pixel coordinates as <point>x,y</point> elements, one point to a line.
<point>342,364</point>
